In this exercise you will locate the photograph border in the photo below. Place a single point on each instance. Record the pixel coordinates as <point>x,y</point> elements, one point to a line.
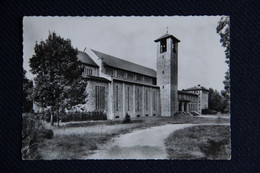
<point>244,74</point>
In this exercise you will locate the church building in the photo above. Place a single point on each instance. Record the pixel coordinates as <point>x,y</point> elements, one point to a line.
<point>119,87</point>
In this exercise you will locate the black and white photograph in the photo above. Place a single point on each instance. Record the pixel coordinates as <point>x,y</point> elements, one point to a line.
<point>133,87</point>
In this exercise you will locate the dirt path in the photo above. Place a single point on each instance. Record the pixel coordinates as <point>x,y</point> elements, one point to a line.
<point>140,144</point>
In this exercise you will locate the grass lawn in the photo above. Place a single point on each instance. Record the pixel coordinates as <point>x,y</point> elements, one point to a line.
<point>200,142</point>
<point>76,140</point>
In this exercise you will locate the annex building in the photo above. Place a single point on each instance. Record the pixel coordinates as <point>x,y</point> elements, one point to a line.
<point>119,87</point>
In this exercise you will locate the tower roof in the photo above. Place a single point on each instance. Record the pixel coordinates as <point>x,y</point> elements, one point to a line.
<point>167,36</point>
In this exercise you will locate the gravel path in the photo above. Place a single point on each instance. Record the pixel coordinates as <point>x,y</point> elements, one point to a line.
<point>139,144</point>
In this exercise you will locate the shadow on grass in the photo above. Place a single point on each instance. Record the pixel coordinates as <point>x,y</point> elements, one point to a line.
<point>207,142</point>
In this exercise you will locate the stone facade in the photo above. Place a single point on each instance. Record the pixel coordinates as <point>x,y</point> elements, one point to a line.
<point>167,73</point>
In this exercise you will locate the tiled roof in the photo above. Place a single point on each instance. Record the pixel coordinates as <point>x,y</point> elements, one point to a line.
<point>85,58</point>
<point>167,36</point>
<point>125,65</point>
<point>195,88</point>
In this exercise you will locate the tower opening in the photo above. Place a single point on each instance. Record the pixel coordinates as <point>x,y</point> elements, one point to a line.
<point>163,47</point>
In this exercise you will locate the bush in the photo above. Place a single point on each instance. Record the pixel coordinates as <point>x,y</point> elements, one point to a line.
<point>83,116</point>
<point>33,133</point>
<point>127,119</point>
<point>208,111</point>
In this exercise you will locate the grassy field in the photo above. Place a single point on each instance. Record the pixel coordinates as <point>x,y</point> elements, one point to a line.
<point>76,140</point>
<point>205,142</point>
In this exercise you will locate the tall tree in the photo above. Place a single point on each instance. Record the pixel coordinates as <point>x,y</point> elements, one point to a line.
<point>58,82</point>
<point>223,29</point>
<point>27,93</point>
<point>217,101</point>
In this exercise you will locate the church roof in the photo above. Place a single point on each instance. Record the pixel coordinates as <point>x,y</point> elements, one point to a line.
<point>125,65</point>
<point>85,58</point>
<point>167,36</point>
<point>195,88</point>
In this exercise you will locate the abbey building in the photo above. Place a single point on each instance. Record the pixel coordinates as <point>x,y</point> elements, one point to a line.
<point>119,87</point>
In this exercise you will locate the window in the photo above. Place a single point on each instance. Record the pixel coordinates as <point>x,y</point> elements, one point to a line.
<point>87,71</point>
<point>128,99</point>
<point>174,47</point>
<point>130,76</point>
<point>162,72</point>
<point>109,71</point>
<point>147,79</point>
<point>120,74</point>
<point>117,98</point>
<point>146,99</point>
<point>100,98</point>
<point>163,87</point>
<point>163,47</point>
<point>138,99</point>
<point>154,100</point>
<point>138,77</point>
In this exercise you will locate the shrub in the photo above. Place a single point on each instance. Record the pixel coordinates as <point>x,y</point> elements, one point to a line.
<point>83,116</point>
<point>209,111</point>
<point>33,133</point>
<point>127,119</point>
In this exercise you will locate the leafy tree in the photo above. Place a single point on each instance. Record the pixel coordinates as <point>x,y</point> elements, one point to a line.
<point>217,101</point>
<point>223,29</point>
<point>58,82</point>
<point>27,93</point>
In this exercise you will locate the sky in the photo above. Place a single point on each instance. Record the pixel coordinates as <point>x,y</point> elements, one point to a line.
<point>201,59</point>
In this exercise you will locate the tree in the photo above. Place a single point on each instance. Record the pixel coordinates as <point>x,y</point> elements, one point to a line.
<point>27,93</point>
<point>58,82</point>
<point>217,101</point>
<point>223,29</point>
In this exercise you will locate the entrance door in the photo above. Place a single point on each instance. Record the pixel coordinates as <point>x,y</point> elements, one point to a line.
<point>180,106</point>
<point>185,107</point>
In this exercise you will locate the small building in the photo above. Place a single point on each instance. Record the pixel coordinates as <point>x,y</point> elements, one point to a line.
<point>188,101</point>
<point>203,95</point>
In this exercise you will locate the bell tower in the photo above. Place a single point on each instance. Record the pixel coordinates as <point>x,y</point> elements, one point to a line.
<point>167,73</point>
